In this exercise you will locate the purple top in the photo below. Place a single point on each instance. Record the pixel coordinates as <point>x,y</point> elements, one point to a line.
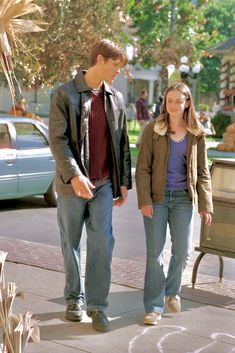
<point>176,178</point>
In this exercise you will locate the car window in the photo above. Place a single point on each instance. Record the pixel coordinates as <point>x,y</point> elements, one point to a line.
<point>28,136</point>
<point>5,141</point>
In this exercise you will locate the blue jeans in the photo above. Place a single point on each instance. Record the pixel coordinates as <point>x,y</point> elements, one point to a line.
<point>177,211</point>
<point>96,213</point>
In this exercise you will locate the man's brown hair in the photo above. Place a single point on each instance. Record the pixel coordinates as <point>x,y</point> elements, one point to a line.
<point>109,50</point>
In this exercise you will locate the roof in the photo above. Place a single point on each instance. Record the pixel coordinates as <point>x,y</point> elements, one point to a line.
<point>223,48</point>
<point>13,118</point>
<point>6,118</point>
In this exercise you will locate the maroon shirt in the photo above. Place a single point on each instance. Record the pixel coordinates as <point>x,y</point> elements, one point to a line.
<point>142,109</point>
<point>99,139</point>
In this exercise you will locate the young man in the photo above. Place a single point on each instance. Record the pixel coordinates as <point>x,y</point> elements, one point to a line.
<point>142,114</point>
<point>88,138</point>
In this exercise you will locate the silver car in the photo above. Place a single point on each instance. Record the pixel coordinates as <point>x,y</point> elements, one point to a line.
<point>27,166</point>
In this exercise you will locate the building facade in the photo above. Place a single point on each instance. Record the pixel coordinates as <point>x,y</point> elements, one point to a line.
<point>226,52</point>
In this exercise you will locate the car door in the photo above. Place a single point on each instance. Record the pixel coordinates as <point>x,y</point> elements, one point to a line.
<point>35,162</point>
<point>8,164</point>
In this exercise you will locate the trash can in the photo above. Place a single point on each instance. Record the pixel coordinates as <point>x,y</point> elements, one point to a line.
<point>219,238</point>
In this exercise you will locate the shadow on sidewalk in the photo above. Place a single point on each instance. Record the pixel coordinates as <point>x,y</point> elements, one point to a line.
<point>206,293</point>
<point>125,309</point>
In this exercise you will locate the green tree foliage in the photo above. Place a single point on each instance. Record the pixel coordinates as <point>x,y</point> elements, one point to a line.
<point>73,25</point>
<point>219,25</point>
<point>169,29</point>
<point>220,20</point>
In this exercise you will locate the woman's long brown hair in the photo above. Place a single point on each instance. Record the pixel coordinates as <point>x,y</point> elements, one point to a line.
<point>190,116</point>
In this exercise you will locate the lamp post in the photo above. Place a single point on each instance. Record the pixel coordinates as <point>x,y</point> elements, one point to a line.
<point>186,71</point>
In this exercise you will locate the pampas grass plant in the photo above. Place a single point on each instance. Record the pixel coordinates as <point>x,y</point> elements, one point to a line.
<point>17,328</point>
<point>11,24</point>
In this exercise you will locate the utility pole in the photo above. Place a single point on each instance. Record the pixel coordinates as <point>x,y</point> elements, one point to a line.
<point>172,25</point>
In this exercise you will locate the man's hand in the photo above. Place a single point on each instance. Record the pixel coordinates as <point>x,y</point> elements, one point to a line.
<point>82,186</point>
<point>207,217</point>
<point>120,200</point>
<point>147,211</point>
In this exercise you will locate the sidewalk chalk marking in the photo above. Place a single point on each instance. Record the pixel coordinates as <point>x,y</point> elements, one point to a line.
<point>132,341</point>
<point>146,330</point>
<point>214,336</point>
<point>179,329</point>
<point>164,337</point>
<point>203,348</point>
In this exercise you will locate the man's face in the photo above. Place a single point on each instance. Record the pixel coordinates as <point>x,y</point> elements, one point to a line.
<point>109,68</point>
<point>145,95</point>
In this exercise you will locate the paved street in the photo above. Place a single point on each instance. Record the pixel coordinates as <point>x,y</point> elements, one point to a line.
<point>32,220</point>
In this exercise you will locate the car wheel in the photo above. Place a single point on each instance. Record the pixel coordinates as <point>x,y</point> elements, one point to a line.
<point>51,196</point>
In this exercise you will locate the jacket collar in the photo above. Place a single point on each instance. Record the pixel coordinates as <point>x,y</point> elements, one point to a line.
<point>161,129</point>
<point>82,86</point>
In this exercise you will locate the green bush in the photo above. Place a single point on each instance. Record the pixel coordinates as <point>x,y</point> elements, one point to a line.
<point>220,122</point>
<point>203,106</point>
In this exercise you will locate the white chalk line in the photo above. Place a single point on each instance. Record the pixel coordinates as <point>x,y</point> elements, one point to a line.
<point>164,337</point>
<point>142,333</point>
<point>146,330</point>
<point>180,329</point>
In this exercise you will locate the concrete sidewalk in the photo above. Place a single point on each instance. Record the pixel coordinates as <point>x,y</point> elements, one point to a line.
<point>198,328</point>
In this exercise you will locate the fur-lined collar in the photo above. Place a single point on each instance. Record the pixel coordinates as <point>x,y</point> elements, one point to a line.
<point>161,129</point>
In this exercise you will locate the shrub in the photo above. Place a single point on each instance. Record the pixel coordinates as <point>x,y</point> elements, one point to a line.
<point>204,106</point>
<point>220,122</point>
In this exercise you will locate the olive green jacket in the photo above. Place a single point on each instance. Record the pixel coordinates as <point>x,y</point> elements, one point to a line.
<point>152,162</point>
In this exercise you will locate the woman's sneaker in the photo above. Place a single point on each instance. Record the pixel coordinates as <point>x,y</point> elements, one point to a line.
<point>73,312</point>
<point>152,318</point>
<point>173,304</point>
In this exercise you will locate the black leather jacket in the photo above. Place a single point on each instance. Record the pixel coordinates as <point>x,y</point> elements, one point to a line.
<point>68,134</point>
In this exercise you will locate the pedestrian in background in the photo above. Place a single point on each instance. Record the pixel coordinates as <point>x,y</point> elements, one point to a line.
<point>88,138</point>
<point>158,107</point>
<point>142,113</point>
<point>172,170</point>
<point>207,124</point>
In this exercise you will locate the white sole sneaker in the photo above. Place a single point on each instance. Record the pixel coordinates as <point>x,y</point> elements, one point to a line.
<point>173,304</point>
<point>152,318</point>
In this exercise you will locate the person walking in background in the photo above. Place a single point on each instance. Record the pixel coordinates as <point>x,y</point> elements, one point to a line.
<point>88,138</point>
<point>142,113</point>
<point>172,170</point>
<point>207,124</point>
<point>158,107</point>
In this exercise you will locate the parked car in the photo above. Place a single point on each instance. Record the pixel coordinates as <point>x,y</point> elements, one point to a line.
<point>27,166</point>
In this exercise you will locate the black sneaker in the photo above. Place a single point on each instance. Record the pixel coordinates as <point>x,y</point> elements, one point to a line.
<point>73,312</point>
<point>99,320</point>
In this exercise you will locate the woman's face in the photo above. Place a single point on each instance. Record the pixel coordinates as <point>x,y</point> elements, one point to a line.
<point>176,102</point>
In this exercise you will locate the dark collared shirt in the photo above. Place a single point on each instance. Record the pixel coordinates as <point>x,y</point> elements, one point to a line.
<point>99,139</point>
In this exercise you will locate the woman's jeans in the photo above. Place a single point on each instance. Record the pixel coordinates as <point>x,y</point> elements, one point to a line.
<point>177,211</point>
<point>96,213</point>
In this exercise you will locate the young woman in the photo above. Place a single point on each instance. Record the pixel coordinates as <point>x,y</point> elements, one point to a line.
<point>172,170</point>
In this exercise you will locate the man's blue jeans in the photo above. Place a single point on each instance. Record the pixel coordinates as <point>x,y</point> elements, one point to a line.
<point>96,213</point>
<point>177,211</point>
